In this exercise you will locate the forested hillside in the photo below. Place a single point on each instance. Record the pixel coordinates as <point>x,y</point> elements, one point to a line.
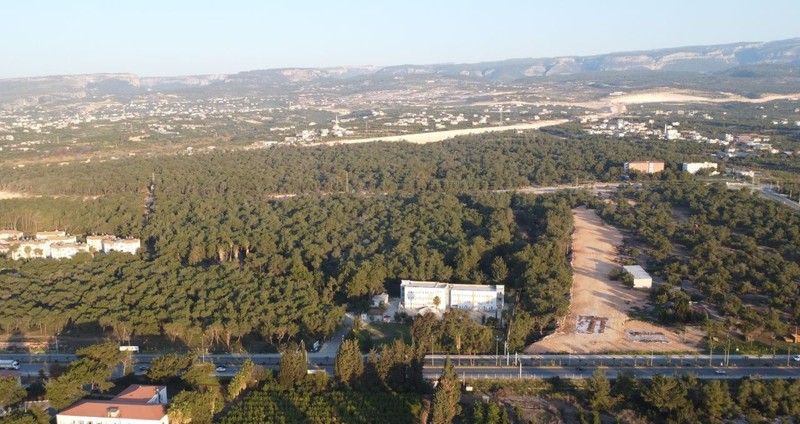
<point>485,161</point>
<point>216,271</point>
<point>223,258</point>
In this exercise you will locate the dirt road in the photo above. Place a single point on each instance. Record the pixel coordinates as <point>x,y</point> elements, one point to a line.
<point>598,320</point>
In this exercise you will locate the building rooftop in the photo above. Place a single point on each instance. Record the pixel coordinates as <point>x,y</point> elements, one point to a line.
<point>429,284</point>
<point>474,287</point>
<point>45,234</point>
<point>139,393</point>
<point>124,409</point>
<point>636,271</point>
<point>56,246</point>
<point>57,239</point>
<point>127,241</point>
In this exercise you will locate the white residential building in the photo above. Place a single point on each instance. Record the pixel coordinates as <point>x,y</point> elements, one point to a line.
<point>474,297</point>
<point>29,249</point>
<point>10,234</point>
<point>135,405</point>
<point>60,239</point>
<point>57,245</point>
<point>131,245</point>
<point>694,167</point>
<point>66,250</point>
<point>42,235</point>
<point>95,243</point>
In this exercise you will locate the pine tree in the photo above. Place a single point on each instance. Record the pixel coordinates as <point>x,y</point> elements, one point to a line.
<point>293,368</point>
<point>349,366</point>
<point>599,391</point>
<point>447,395</point>
<point>716,400</point>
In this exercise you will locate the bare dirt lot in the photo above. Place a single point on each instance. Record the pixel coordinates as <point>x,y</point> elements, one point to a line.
<point>598,320</point>
<point>11,195</point>
<point>436,136</point>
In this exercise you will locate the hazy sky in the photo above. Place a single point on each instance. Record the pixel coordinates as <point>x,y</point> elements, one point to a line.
<point>176,37</point>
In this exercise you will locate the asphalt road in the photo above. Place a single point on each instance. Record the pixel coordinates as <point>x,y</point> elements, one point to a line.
<point>769,194</point>
<point>486,366</point>
<point>613,372</point>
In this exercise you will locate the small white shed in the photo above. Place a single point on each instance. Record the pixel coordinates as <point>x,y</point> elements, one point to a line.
<point>380,298</point>
<point>641,279</point>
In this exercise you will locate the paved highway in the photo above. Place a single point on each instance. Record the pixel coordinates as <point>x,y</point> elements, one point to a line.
<point>565,366</point>
<point>770,194</point>
<point>613,372</point>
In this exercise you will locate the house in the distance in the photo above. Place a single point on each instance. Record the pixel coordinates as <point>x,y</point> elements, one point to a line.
<point>10,234</point>
<point>135,405</point>
<point>30,249</point>
<point>694,167</point>
<point>45,235</point>
<point>380,300</point>
<point>66,250</point>
<point>130,245</point>
<point>645,167</point>
<point>58,245</point>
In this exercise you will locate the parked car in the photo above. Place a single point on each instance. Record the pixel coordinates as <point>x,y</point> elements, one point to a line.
<point>796,358</point>
<point>144,368</point>
<point>221,368</point>
<point>720,372</point>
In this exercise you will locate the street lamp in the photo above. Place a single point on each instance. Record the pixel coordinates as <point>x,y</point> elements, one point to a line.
<point>496,353</point>
<point>432,341</point>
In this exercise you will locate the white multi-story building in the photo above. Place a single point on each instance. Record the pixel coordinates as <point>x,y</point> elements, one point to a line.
<point>59,239</point>
<point>95,243</point>
<point>135,405</point>
<point>10,234</point>
<point>474,297</point>
<point>42,235</point>
<point>29,249</point>
<point>58,245</point>
<point>66,250</point>
<point>131,245</point>
<point>694,167</point>
<point>424,294</point>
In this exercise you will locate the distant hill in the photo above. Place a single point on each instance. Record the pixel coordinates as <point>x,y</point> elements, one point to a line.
<point>738,59</point>
<point>686,59</point>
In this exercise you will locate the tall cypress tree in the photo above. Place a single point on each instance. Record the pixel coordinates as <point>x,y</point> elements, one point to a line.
<point>349,366</point>
<point>293,367</point>
<point>447,395</point>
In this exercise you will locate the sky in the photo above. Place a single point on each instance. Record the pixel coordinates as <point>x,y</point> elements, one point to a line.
<point>178,37</point>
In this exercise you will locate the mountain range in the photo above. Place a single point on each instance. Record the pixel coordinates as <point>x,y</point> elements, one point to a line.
<point>695,59</point>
